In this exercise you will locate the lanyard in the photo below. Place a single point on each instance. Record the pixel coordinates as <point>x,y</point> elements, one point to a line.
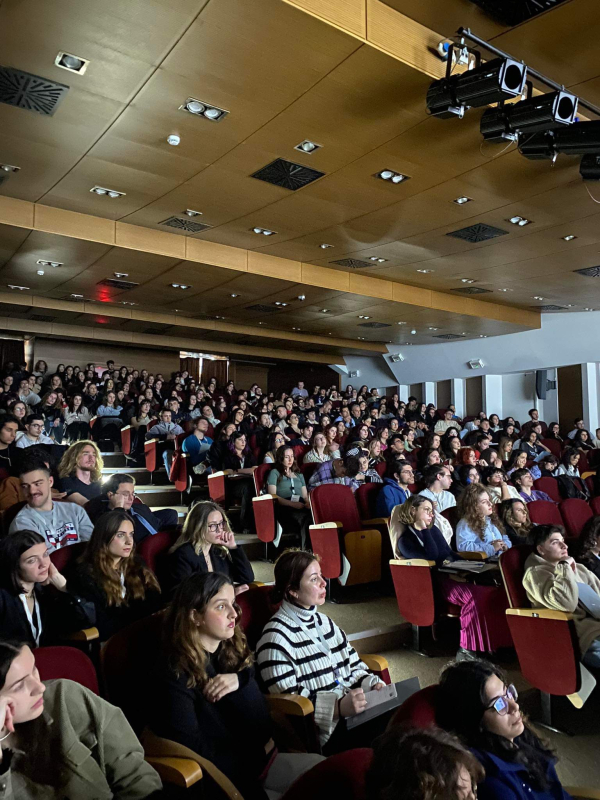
<point>36,629</point>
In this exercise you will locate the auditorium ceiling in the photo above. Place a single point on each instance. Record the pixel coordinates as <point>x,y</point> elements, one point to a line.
<point>286,76</point>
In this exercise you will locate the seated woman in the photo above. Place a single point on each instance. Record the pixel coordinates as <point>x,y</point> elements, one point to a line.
<point>238,458</point>
<point>276,440</point>
<point>588,547</point>
<point>207,697</point>
<point>476,702</point>
<point>583,441</point>
<point>43,726</point>
<point>318,452</point>
<point>494,480</point>
<point>548,466</point>
<point>517,524</point>
<point>109,422</point>
<point>531,445</point>
<point>207,544</point>
<point>483,626</point>
<point>76,419</point>
<point>505,448</point>
<point>464,476</point>
<point>569,461</point>
<point>375,454</point>
<point>479,528</point>
<point>359,436</point>
<point>51,410</point>
<point>404,762</point>
<point>519,461</point>
<point>286,484</point>
<point>112,577</point>
<point>293,431</point>
<point>467,455</point>
<point>304,652</point>
<point>36,606</point>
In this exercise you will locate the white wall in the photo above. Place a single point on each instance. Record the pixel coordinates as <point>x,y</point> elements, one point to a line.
<point>518,395</point>
<point>375,372</point>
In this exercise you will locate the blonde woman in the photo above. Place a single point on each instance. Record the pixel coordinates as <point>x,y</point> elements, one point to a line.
<point>375,450</point>
<point>318,453</point>
<point>333,447</point>
<point>207,544</point>
<point>80,471</point>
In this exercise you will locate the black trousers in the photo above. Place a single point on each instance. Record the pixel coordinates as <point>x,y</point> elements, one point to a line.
<point>76,431</point>
<point>295,520</point>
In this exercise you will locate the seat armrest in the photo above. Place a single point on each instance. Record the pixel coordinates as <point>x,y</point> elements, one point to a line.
<point>541,613</point>
<point>583,792</point>
<point>150,441</point>
<point>324,525</point>
<point>473,555</point>
<point>126,428</point>
<point>374,663</point>
<point>293,705</point>
<point>262,497</point>
<point>412,562</point>
<point>376,521</point>
<point>84,635</point>
<point>182,772</point>
<point>255,584</point>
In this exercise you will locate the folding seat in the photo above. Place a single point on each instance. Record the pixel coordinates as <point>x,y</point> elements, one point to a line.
<point>545,640</point>
<point>419,710</point>
<point>61,559</point>
<point>300,450</point>
<point>348,552</point>
<point>595,506</point>
<point>126,439</point>
<point>381,468</point>
<point>549,486</point>
<point>344,771</point>
<point>153,549</point>
<point>178,474</point>
<point>307,469</point>
<point>553,445</point>
<point>544,512</point>
<point>575,514</point>
<point>66,662</point>
<point>366,498</point>
<point>583,465</point>
<point>263,505</point>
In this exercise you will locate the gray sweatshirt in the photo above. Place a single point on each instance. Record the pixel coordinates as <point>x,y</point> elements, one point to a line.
<point>66,523</point>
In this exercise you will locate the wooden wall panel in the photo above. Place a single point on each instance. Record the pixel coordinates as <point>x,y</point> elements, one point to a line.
<point>349,15</point>
<point>53,351</point>
<point>16,212</point>
<point>219,255</point>
<point>70,223</point>
<point>326,278</point>
<point>274,267</point>
<point>135,237</point>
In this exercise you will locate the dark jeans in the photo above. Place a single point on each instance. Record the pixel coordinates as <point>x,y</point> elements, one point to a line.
<point>108,428</point>
<point>241,491</point>
<point>76,431</point>
<point>295,520</point>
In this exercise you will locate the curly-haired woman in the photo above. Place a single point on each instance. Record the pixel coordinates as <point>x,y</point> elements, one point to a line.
<point>479,528</point>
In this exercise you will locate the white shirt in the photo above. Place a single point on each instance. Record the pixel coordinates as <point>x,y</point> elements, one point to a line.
<point>442,500</point>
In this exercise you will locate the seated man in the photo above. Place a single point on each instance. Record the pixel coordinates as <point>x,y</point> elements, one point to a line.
<point>554,580</point>
<point>60,524</point>
<point>197,445</point>
<point>34,432</point>
<point>176,413</point>
<point>166,431</point>
<point>523,480</point>
<point>437,480</point>
<point>395,447</point>
<point>472,425</point>
<point>119,492</point>
<point>442,425</point>
<point>299,390</point>
<point>399,474</point>
<point>9,426</point>
<point>579,426</point>
<point>534,419</point>
<point>80,472</point>
<point>306,430</point>
<point>27,395</point>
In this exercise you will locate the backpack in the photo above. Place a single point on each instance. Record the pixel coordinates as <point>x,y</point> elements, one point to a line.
<point>570,488</point>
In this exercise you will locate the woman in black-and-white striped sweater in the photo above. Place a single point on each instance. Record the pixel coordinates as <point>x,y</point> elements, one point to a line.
<point>304,652</point>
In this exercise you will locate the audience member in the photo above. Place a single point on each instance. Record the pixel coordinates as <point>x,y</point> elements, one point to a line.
<point>523,480</point>
<point>398,477</point>
<point>286,484</point>
<point>197,445</point>
<point>579,426</point>
<point>276,440</point>
<point>207,544</point>
<point>553,432</point>
<point>442,425</point>
<point>589,547</point>
<point>319,452</point>
<point>479,528</point>
<point>61,524</point>
<point>166,432</point>
<point>110,575</point>
<point>304,652</point>
<point>9,427</point>
<point>495,481</point>
<point>34,432</point>
<point>76,419</point>
<point>80,472</point>
<point>437,480</point>
<point>516,521</point>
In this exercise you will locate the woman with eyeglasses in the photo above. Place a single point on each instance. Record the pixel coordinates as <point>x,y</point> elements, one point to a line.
<point>207,544</point>
<point>476,702</point>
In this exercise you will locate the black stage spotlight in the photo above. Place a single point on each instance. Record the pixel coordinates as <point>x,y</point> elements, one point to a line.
<point>491,82</point>
<point>590,167</point>
<point>528,116</point>
<point>538,146</point>
<point>579,139</point>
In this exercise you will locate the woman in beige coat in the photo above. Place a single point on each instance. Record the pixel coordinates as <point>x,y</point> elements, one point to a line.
<point>551,580</point>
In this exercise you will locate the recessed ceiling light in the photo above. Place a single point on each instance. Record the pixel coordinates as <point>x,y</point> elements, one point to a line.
<point>380,260</point>
<point>362,338</point>
<point>21,288</point>
<point>129,303</point>
<point>108,192</point>
<point>413,332</point>
<point>433,329</point>
<point>425,271</point>
<point>483,336</point>
<point>72,63</point>
<point>521,221</point>
<point>9,168</point>
<point>467,280</point>
<point>537,297</point>
<point>460,201</point>
<point>49,263</point>
<point>391,176</point>
<point>362,316</point>
<point>588,309</point>
<point>569,238</point>
<point>325,246</point>
<point>234,295</point>
<point>189,212</point>
<point>41,272</point>
<point>201,109</point>
<point>506,290</point>
<point>324,311</point>
<point>264,231</point>
<point>77,296</point>
<point>121,274</point>
<point>307,146</point>
<point>181,286</point>
<point>295,329</point>
<point>278,303</point>
<point>401,323</point>
<point>301,297</point>
<point>218,317</point>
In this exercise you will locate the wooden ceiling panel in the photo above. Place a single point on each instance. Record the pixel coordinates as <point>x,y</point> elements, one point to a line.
<point>446,16</point>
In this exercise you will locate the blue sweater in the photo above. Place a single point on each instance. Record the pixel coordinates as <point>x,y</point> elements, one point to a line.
<point>506,780</point>
<point>390,495</point>
<point>467,539</point>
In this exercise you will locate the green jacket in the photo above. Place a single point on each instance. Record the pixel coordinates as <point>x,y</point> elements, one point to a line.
<point>80,748</point>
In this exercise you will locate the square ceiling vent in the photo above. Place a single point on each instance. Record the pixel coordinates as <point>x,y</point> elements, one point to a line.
<point>264,309</point>
<point>480,232</point>
<point>449,336</point>
<point>185,225</point>
<point>589,272</point>
<point>471,290</point>
<point>117,284</point>
<point>549,308</point>
<point>42,318</point>
<point>353,263</point>
<point>31,92</point>
<point>287,174</point>
<point>375,325</point>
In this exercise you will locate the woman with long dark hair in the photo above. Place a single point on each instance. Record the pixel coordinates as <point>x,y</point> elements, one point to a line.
<point>36,606</point>
<point>207,697</point>
<point>517,523</point>
<point>51,410</point>
<point>286,484</point>
<point>110,575</point>
<point>589,547</point>
<point>476,702</point>
<point>110,418</point>
<point>238,457</point>
<point>76,419</point>
<point>207,544</point>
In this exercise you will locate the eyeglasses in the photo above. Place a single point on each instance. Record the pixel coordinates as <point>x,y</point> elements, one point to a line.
<point>500,704</point>
<point>213,527</point>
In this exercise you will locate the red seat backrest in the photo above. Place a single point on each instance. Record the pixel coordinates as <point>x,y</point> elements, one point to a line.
<point>344,771</point>
<point>553,445</point>
<point>333,502</point>
<point>152,548</point>
<point>381,468</point>
<point>65,555</point>
<point>512,566</point>
<point>418,710</point>
<point>256,609</point>
<point>575,514</point>
<point>595,506</point>
<point>66,662</point>
<point>307,469</point>
<point>366,497</point>
<point>414,593</point>
<point>550,486</point>
<point>583,464</point>
<point>544,512</point>
<point>260,477</point>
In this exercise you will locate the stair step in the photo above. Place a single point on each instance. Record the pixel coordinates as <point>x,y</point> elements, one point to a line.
<point>126,470</point>
<point>181,510</point>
